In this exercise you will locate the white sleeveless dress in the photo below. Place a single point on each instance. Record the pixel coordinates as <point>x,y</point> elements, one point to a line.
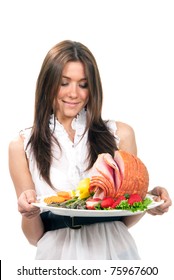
<point>105,241</point>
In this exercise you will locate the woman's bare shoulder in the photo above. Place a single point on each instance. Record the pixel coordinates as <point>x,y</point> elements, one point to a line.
<point>127,137</point>
<point>124,129</point>
<point>16,144</point>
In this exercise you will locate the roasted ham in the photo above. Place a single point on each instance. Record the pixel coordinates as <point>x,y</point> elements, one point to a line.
<point>123,174</point>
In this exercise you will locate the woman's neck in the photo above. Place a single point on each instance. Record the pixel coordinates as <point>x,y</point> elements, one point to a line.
<point>67,124</point>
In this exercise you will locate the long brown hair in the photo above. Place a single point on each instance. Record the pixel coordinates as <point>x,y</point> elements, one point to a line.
<point>100,139</point>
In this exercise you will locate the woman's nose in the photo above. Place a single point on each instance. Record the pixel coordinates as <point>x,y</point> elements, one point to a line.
<point>73,92</point>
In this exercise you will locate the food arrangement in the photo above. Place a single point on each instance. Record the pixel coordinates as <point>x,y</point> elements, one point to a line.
<point>119,182</point>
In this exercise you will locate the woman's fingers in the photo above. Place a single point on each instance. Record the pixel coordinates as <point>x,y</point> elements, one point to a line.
<point>24,204</point>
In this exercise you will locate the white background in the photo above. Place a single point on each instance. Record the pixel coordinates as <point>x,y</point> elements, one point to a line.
<point>133,42</point>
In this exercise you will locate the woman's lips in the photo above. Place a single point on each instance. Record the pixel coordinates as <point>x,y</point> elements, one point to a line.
<point>71,104</point>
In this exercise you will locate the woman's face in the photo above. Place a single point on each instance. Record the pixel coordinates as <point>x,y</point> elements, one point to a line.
<point>73,93</point>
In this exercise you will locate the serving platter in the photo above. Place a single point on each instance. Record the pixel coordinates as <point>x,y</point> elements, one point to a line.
<point>93,213</point>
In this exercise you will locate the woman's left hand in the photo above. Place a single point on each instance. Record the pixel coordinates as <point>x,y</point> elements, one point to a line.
<point>160,193</point>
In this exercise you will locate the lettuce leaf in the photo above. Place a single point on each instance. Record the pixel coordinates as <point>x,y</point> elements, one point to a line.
<point>137,206</point>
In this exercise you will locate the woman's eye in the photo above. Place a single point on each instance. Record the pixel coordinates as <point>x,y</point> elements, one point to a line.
<point>84,85</point>
<point>63,84</point>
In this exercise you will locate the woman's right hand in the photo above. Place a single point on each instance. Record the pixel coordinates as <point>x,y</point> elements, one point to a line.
<point>25,206</point>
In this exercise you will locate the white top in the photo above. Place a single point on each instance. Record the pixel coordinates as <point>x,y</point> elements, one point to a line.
<point>69,165</point>
<point>98,241</point>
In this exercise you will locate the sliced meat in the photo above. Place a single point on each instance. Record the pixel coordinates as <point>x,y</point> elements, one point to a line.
<point>135,177</point>
<point>125,173</point>
<point>103,179</point>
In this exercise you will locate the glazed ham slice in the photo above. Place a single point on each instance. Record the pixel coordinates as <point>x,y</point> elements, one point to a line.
<point>105,176</point>
<point>134,174</point>
<point>123,174</point>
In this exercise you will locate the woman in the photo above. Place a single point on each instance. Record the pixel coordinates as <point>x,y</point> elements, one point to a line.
<point>67,135</point>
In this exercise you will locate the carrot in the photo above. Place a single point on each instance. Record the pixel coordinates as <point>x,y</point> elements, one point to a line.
<point>60,197</point>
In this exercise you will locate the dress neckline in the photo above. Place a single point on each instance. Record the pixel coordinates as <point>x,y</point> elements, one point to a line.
<point>78,124</point>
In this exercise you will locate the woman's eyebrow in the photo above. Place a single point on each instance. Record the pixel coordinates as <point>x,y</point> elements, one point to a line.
<point>82,79</point>
<point>63,76</point>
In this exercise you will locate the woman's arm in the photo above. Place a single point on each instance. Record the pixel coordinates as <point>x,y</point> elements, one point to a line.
<point>159,193</point>
<point>128,143</point>
<point>25,190</point>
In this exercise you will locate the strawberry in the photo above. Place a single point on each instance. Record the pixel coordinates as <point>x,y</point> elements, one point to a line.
<point>134,198</point>
<point>107,202</point>
<point>92,202</point>
<point>118,201</point>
